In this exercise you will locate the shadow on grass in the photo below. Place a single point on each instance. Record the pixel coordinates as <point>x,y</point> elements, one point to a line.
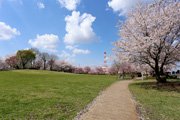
<point>169,86</point>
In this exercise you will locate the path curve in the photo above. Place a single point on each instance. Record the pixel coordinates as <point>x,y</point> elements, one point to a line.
<point>115,103</point>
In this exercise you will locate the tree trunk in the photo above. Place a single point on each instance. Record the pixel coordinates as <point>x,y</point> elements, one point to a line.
<point>44,65</point>
<point>51,67</point>
<point>23,66</point>
<point>117,76</point>
<point>158,74</point>
<point>159,78</point>
<point>123,74</point>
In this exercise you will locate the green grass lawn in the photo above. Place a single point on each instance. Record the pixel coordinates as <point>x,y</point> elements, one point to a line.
<point>32,94</point>
<point>159,101</point>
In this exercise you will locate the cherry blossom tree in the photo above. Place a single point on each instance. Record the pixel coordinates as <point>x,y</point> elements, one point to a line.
<point>3,65</point>
<point>38,64</point>
<point>86,69</point>
<point>112,70</point>
<point>78,70</point>
<point>122,66</point>
<point>99,70</point>
<point>12,61</point>
<point>91,72</point>
<point>151,35</point>
<point>64,66</point>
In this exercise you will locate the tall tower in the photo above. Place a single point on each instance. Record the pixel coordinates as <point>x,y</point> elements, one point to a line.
<point>105,68</point>
<point>105,62</point>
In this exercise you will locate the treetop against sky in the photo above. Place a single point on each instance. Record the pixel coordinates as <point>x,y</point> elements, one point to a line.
<point>79,31</point>
<point>151,36</point>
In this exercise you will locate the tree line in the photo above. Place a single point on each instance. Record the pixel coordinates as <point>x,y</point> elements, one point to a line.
<point>34,59</point>
<point>31,59</point>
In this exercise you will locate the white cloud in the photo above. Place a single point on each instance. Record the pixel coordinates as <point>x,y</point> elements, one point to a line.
<point>80,51</point>
<point>6,32</point>
<point>47,41</point>
<point>124,6</point>
<point>71,47</point>
<point>40,5</point>
<point>73,55</point>
<point>69,4</point>
<point>75,50</point>
<point>67,56</point>
<point>26,48</point>
<point>79,28</point>
<point>64,54</point>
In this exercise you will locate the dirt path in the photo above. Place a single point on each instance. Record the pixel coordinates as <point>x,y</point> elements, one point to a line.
<point>115,103</point>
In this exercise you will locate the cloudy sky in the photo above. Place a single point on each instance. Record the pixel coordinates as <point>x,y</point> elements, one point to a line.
<point>79,31</point>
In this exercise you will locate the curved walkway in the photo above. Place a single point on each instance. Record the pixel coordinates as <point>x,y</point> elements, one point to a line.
<point>115,103</point>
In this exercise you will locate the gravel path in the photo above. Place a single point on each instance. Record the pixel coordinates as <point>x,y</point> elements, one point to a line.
<point>115,103</point>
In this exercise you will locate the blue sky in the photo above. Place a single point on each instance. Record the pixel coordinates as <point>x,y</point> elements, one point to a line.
<point>79,31</point>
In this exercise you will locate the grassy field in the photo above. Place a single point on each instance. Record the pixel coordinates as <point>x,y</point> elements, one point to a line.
<point>160,102</point>
<point>31,94</point>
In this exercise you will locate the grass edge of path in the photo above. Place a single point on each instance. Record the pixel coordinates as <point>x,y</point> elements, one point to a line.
<point>152,103</point>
